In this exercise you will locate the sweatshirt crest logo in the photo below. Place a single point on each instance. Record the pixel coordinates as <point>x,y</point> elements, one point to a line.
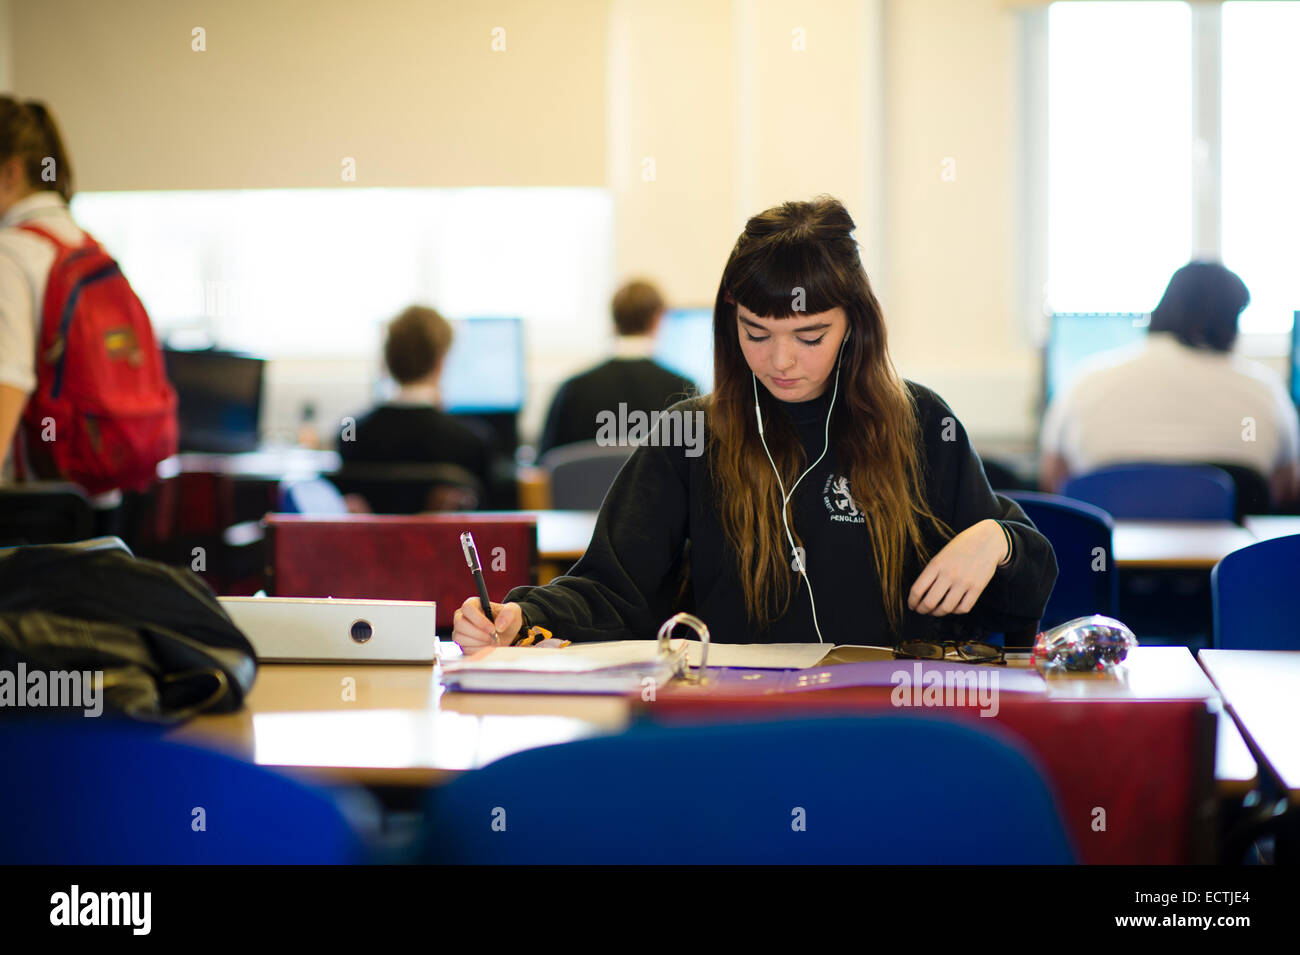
<point>839,500</point>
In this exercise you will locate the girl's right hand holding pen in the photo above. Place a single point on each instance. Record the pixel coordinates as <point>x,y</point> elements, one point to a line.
<point>473,631</point>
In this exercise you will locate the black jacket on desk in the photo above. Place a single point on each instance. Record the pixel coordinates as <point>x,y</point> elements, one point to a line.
<point>629,580</point>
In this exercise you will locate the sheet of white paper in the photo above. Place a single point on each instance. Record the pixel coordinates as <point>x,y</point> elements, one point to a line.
<point>759,656</point>
<point>584,657</point>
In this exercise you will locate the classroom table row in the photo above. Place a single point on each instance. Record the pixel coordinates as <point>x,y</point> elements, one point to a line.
<point>397,726</point>
<point>387,725</point>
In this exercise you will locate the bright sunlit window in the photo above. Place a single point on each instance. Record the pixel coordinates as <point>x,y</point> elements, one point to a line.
<point>316,272</point>
<point>1119,138</point>
<point>1120,145</point>
<point>1261,143</point>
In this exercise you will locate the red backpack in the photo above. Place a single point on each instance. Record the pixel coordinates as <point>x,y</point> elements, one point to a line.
<point>103,414</point>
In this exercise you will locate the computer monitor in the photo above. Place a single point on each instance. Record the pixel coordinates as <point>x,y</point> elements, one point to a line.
<point>484,371</point>
<point>220,399</point>
<point>1295,357</point>
<point>685,344</point>
<point>1075,336</point>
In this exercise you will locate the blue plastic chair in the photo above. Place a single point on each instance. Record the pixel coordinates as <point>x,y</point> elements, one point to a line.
<point>315,496</point>
<point>98,792</point>
<point>847,790</point>
<point>1157,492</point>
<point>1075,530</point>
<point>1256,600</point>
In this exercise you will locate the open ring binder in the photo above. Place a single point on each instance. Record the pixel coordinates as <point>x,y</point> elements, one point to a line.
<point>701,630</point>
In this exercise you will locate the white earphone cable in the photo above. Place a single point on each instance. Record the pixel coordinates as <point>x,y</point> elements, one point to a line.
<point>785,498</point>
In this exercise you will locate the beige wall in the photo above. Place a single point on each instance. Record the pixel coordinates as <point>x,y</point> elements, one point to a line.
<point>735,119</point>
<point>6,46</point>
<point>714,92</point>
<point>881,94</point>
<point>953,298</point>
<point>672,151</point>
<point>410,89</point>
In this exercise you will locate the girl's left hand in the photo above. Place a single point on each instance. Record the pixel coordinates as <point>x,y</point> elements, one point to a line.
<point>956,576</point>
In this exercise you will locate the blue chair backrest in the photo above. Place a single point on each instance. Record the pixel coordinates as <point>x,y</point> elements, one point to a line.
<point>844,790</point>
<point>1157,492</point>
<point>1087,580</point>
<point>315,496</point>
<point>1256,597</point>
<point>98,792</point>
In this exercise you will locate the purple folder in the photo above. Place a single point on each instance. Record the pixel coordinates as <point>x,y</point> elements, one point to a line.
<point>916,675</point>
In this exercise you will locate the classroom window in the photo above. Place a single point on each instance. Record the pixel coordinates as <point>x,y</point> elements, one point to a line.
<point>317,272</point>
<point>1261,140</point>
<point>1131,154</point>
<point>1119,139</point>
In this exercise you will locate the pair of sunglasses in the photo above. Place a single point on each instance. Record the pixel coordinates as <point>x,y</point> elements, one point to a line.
<point>966,651</point>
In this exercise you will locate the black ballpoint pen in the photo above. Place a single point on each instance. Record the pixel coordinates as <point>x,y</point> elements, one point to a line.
<point>471,558</point>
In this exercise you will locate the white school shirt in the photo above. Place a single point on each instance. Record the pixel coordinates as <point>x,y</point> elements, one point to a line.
<point>25,262</point>
<point>1162,401</point>
<point>634,346</point>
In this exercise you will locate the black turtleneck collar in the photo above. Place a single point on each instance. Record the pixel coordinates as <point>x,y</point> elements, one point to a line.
<point>805,412</point>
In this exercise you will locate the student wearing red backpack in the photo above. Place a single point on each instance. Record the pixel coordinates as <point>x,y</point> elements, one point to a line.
<point>83,393</point>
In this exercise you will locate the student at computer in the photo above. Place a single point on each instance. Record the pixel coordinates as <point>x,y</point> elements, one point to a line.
<point>1181,396</point>
<point>412,428</point>
<point>632,377</point>
<point>832,500</point>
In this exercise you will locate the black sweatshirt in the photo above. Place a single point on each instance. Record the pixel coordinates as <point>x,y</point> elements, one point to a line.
<point>418,434</point>
<point>643,384</point>
<point>630,578</point>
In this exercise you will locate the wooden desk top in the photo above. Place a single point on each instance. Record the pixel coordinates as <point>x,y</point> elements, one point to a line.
<point>1262,691</point>
<point>1267,526</point>
<point>1149,673</point>
<point>393,725</point>
<point>1177,544</point>
<point>399,726</point>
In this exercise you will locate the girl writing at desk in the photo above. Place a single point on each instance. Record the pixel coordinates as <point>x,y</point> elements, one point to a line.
<point>830,500</point>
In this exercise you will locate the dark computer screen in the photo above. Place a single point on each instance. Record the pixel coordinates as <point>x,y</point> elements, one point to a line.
<point>685,344</point>
<point>220,399</point>
<point>1076,336</point>
<point>484,371</point>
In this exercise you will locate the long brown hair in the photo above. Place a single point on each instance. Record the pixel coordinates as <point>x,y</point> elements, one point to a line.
<point>28,131</point>
<point>874,429</point>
